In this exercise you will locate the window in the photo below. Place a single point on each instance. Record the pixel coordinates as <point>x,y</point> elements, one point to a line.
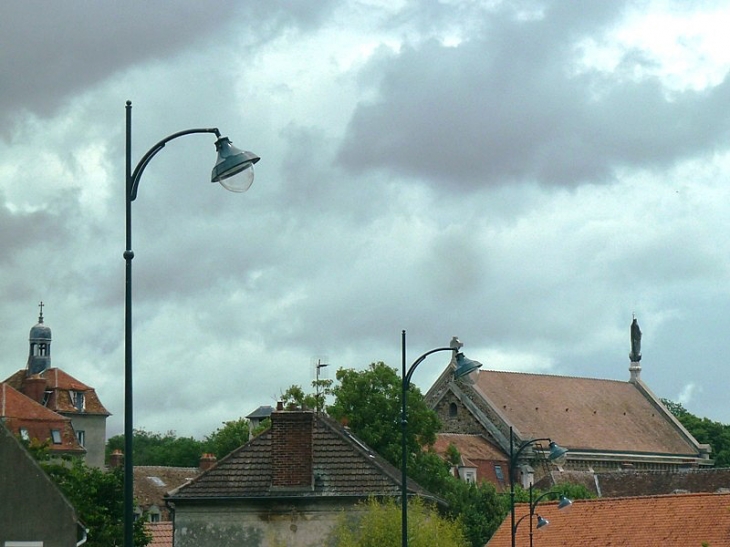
<point>499,473</point>
<point>81,437</point>
<point>46,396</point>
<point>56,436</point>
<point>470,477</point>
<point>24,434</point>
<point>452,410</point>
<point>79,400</point>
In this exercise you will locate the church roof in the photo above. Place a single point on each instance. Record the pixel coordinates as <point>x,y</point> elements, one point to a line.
<point>583,413</point>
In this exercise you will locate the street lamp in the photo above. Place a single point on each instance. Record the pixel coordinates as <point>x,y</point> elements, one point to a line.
<point>234,171</point>
<point>556,453</point>
<point>463,367</point>
<point>541,522</point>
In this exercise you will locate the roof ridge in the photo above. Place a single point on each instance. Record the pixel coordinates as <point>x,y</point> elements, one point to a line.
<point>523,373</point>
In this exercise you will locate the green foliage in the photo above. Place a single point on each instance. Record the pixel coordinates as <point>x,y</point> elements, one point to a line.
<point>369,401</point>
<point>453,456</point>
<point>263,426</point>
<point>159,449</point>
<point>706,431</point>
<point>480,508</point>
<point>226,439</point>
<point>98,497</point>
<point>379,524</point>
<point>294,397</point>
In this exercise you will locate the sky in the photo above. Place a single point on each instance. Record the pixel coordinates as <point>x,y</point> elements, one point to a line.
<point>528,175</point>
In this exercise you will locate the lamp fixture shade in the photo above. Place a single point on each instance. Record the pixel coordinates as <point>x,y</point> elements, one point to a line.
<point>557,452</point>
<point>233,162</point>
<point>542,522</point>
<point>465,365</point>
<point>564,502</point>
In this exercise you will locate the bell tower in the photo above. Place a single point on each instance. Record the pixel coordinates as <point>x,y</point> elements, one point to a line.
<point>39,357</point>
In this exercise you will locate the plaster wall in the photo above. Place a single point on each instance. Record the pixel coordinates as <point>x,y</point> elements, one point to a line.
<point>263,524</point>
<point>33,509</point>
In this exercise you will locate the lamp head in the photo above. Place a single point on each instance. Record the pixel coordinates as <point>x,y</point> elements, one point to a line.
<point>542,522</point>
<point>465,365</point>
<point>234,167</point>
<point>564,502</point>
<point>557,452</point>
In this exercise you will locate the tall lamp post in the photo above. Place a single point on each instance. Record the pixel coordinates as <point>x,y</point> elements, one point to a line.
<point>562,504</point>
<point>463,367</point>
<point>556,453</point>
<point>234,171</point>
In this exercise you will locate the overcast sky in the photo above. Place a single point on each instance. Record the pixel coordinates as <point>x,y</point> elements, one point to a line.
<point>526,175</point>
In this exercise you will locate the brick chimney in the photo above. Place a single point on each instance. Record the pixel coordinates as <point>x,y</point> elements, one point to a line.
<point>116,458</point>
<point>207,461</point>
<point>291,449</point>
<point>35,387</point>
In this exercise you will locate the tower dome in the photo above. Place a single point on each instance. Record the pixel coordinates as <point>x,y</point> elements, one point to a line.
<point>39,357</point>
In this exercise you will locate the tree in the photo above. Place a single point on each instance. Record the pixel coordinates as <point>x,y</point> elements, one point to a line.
<point>480,508</point>
<point>715,434</point>
<point>369,402</point>
<point>98,497</point>
<point>159,449</point>
<point>226,439</point>
<point>379,523</point>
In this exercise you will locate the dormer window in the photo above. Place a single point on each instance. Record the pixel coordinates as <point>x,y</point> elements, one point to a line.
<point>79,400</point>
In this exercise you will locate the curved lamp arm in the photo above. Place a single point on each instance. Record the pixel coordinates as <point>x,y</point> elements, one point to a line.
<point>137,173</point>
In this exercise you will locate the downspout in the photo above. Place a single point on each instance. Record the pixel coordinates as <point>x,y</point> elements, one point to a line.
<point>85,532</point>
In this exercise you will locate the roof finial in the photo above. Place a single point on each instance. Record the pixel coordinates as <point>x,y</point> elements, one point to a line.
<point>40,317</point>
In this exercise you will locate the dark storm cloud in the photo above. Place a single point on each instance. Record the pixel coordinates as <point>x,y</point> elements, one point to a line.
<point>52,50</point>
<point>505,106</point>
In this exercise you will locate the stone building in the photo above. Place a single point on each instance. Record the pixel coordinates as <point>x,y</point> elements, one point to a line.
<point>607,425</point>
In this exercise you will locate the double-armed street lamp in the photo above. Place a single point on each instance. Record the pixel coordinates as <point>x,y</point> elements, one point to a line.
<point>563,503</point>
<point>463,367</point>
<point>234,171</point>
<point>556,454</point>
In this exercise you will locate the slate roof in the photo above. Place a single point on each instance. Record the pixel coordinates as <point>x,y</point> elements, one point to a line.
<point>62,384</point>
<point>583,413</point>
<point>152,482</point>
<point>20,412</point>
<point>343,466</point>
<point>626,483</point>
<point>681,520</point>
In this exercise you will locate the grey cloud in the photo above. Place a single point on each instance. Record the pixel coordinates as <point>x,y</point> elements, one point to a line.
<point>52,50</point>
<point>503,107</point>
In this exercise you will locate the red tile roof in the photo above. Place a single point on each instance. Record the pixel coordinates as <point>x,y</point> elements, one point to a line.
<point>582,413</point>
<point>682,520</point>
<point>61,384</point>
<point>21,412</point>
<point>161,533</point>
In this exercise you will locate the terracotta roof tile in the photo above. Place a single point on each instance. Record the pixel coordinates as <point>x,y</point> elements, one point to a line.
<point>20,412</point>
<point>582,413</point>
<point>161,533</point>
<point>152,482</point>
<point>681,520</point>
<point>61,383</point>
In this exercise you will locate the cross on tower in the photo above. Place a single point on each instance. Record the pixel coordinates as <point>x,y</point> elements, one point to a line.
<point>40,317</point>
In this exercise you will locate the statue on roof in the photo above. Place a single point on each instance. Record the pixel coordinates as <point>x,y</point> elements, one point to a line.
<point>635,354</point>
